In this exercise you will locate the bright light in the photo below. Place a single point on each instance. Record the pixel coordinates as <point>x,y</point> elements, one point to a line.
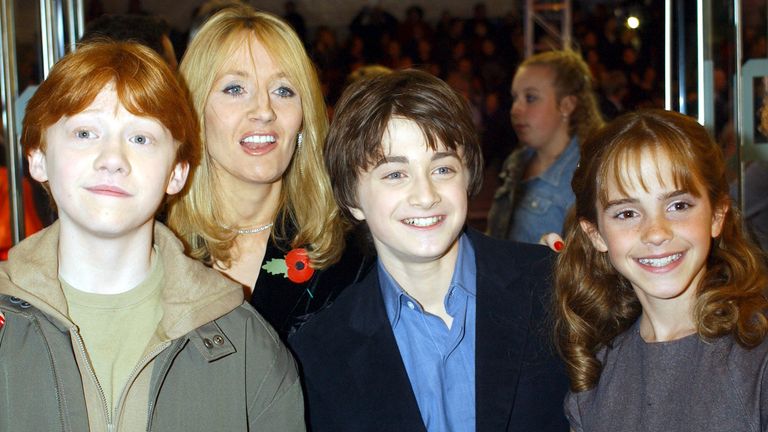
<point>633,22</point>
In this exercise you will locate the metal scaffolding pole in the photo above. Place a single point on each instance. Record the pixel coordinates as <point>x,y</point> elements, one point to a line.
<point>8,93</point>
<point>547,14</point>
<point>53,30</point>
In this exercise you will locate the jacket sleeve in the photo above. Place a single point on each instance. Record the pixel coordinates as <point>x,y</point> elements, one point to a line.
<point>275,400</point>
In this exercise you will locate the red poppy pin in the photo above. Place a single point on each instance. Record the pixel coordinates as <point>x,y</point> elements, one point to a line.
<point>295,266</point>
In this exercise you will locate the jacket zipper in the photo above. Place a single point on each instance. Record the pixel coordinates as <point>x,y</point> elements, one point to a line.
<point>153,393</point>
<point>134,373</point>
<point>89,367</point>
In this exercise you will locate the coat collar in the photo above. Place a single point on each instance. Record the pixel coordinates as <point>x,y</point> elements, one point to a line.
<point>192,293</point>
<point>503,320</point>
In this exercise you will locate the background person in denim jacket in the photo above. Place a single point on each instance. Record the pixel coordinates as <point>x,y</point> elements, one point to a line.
<point>553,109</point>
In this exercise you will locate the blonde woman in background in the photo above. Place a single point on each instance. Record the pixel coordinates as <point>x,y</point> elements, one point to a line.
<point>554,108</point>
<point>259,207</point>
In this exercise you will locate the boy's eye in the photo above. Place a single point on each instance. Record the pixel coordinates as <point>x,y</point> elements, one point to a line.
<point>139,139</point>
<point>285,92</point>
<point>530,98</point>
<point>444,170</point>
<point>394,175</point>
<point>84,134</point>
<point>234,90</point>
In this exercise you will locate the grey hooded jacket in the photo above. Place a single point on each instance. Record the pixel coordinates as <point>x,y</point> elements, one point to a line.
<point>213,364</point>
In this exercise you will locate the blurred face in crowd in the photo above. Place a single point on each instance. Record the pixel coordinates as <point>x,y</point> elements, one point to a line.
<point>538,118</point>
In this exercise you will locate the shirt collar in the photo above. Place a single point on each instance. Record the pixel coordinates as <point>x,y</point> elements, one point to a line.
<point>559,171</point>
<point>464,278</point>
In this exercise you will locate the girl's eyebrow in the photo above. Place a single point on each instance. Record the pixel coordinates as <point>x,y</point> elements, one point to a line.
<point>672,194</point>
<point>663,197</point>
<point>620,202</point>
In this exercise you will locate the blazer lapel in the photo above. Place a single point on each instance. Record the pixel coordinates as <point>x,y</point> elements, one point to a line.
<point>379,371</point>
<point>503,318</point>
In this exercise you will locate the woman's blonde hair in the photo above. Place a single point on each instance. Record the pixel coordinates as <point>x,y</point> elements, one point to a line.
<point>572,78</point>
<point>307,214</point>
<point>594,303</point>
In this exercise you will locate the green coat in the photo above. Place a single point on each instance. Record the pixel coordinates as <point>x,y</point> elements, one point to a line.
<point>212,365</point>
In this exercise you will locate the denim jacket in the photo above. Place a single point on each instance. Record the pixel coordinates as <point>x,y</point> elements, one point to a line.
<point>524,210</point>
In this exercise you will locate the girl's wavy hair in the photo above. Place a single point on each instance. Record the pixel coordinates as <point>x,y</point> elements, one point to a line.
<point>308,215</point>
<point>572,78</point>
<point>593,302</point>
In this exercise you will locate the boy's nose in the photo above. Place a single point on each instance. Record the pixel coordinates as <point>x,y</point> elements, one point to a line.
<point>112,158</point>
<point>424,193</point>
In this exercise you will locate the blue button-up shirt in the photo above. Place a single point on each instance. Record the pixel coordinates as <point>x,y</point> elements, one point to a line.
<point>440,361</point>
<point>545,199</point>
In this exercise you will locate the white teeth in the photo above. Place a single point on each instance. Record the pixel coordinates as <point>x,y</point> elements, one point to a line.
<point>660,262</point>
<point>423,222</point>
<point>259,139</point>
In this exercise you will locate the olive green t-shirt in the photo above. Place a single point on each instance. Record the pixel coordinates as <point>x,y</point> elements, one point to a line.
<point>116,328</point>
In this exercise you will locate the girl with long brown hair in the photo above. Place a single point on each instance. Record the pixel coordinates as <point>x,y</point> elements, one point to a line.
<point>660,298</point>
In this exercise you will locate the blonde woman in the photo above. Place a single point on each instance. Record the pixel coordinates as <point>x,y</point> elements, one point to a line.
<point>259,207</point>
<point>553,109</point>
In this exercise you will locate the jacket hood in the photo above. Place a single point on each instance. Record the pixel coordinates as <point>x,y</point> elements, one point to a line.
<point>193,294</point>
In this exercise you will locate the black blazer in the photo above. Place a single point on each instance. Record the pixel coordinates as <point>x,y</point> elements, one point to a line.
<point>355,379</point>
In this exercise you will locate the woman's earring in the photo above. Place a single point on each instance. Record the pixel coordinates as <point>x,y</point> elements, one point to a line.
<point>299,142</point>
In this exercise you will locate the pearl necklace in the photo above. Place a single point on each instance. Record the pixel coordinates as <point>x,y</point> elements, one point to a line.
<point>258,229</point>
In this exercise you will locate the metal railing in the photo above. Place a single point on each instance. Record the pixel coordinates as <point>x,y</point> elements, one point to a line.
<point>61,24</point>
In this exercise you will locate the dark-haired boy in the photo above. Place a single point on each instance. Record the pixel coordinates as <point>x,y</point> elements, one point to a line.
<point>448,334</point>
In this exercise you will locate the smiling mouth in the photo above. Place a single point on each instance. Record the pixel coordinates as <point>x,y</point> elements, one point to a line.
<point>423,222</point>
<point>259,139</point>
<point>660,262</point>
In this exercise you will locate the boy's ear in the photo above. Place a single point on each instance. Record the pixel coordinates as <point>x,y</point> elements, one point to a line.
<point>594,235</point>
<point>178,178</point>
<point>38,168</point>
<point>357,213</point>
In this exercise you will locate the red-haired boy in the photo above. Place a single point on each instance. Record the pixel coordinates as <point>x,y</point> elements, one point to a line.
<point>108,326</point>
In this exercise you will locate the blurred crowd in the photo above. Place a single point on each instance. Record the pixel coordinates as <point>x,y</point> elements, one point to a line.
<point>478,56</point>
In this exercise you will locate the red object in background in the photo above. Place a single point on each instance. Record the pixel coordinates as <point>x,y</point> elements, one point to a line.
<point>559,245</point>
<point>297,262</point>
<point>2,320</point>
<point>32,222</point>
